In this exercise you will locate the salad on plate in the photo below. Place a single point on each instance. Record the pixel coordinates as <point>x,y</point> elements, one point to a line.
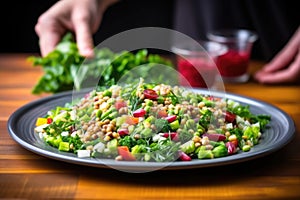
<point>151,123</point>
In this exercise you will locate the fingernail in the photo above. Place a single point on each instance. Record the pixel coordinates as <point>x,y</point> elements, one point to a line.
<point>87,52</point>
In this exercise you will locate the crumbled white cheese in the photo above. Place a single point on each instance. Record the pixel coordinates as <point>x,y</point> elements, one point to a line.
<point>229,126</point>
<point>64,133</point>
<point>99,147</point>
<point>83,153</point>
<point>156,137</point>
<point>73,114</point>
<point>41,128</point>
<point>74,134</point>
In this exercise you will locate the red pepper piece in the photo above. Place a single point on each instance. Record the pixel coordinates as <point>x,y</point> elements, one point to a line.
<point>132,120</point>
<point>230,117</point>
<point>139,113</point>
<point>150,94</point>
<point>173,135</point>
<point>49,120</point>
<point>171,118</point>
<point>235,142</point>
<point>183,156</point>
<point>162,114</point>
<point>123,131</point>
<point>120,104</point>
<point>125,153</point>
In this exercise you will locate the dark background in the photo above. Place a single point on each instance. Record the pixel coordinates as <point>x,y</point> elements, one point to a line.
<point>18,18</point>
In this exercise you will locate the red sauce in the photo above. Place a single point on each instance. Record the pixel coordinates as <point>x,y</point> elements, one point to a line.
<point>193,71</point>
<point>233,63</point>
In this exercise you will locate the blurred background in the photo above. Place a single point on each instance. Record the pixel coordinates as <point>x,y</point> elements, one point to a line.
<point>18,19</point>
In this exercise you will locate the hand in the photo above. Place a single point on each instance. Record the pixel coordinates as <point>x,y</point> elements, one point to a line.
<point>82,17</point>
<point>285,66</point>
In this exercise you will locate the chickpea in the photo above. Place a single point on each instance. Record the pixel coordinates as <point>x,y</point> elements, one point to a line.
<point>205,140</point>
<point>119,158</point>
<point>196,139</point>
<point>115,135</point>
<point>107,138</point>
<point>137,136</point>
<point>197,144</point>
<point>201,104</point>
<point>209,147</point>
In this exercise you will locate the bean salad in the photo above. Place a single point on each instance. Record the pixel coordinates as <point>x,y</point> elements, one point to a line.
<point>151,123</point>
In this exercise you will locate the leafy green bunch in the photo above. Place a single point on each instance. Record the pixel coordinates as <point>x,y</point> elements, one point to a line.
<point>64,68</point>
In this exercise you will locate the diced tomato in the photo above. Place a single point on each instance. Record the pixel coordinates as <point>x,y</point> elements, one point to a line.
<point>211,98</point>
<point>162,114</point>
<point>235,142</point>
<point>150,94</point>
<point>139,113</point>
<point>171,118</point>
<point>229,117</point>
<point>125,153</point>
<point>132,120</point>
<point>120,104</point>
<point>49,120</point>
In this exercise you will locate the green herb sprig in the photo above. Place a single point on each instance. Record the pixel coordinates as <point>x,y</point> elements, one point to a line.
<point>64,68</point>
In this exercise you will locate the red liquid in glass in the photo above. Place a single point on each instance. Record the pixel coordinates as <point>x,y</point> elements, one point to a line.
<point>233,63</point>
<point>193,71</point>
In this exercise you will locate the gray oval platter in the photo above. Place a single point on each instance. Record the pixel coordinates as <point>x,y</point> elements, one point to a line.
<point>21,123</point>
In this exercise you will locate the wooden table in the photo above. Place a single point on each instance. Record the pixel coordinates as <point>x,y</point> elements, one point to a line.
<point>24,174</point>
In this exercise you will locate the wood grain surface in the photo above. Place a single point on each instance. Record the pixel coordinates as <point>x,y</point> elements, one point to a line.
<point>25,175</point>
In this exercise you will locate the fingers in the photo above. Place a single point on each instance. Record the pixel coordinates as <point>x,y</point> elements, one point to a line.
<point>288,75</point>
<point>84,39</point>
<point>283,76</point>
<point>81,16</point>
<point>285,66</point>
<point>83,28</point>
<point>280,61</point>
<point>50,28</point>
<point>48,38</point>
<point>63,16</point>
<point>286,56</point>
